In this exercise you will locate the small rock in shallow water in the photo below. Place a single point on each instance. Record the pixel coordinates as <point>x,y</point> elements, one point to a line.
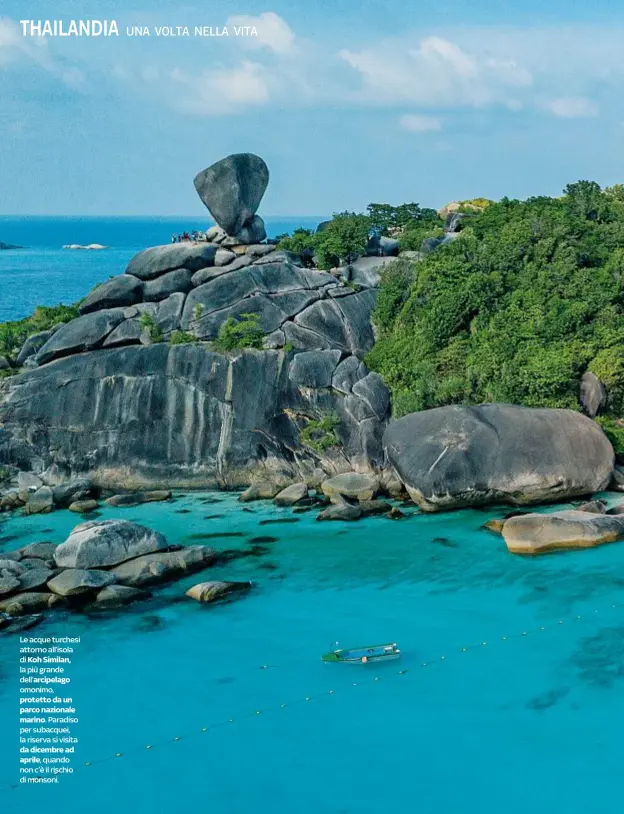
<point>279,520</point>
<point>263,539</point>
<point>593,507</point>
<point>265,490</point>
<point>83,506</point>
<point>395,514</point>
<point>538,533</point>
<point>214,591</point>
<point>291,494</point>
<point>495,525</point>
<point>344,512</point>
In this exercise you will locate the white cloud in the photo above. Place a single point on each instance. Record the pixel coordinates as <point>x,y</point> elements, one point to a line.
<point>435,72</point>
<point>273,32</point>
<point>18,51</point>
<point>573,107</point>
<point>417,123</point>
<point>223,90</point>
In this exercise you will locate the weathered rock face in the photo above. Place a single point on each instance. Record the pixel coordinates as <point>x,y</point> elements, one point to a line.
<point>180,415</point>
<point>456,456</point>
<point>107,542</point>
<point>309,310</point>
<point>232,190</point>
<point>540,533</point>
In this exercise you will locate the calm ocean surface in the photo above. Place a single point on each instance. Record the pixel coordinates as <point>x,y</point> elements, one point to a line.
<point>527,719</point>
<point>44,273</point>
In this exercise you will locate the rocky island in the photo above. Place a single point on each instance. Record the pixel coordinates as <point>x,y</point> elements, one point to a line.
<point>235,363</point>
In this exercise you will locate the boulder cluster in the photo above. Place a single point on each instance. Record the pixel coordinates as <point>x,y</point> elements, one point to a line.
<point>102,565</point>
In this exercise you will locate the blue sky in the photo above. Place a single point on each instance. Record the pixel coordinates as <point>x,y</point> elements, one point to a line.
<point>348,102</point>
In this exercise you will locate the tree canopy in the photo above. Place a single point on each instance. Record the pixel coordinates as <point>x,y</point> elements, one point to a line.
<point>528,297</point>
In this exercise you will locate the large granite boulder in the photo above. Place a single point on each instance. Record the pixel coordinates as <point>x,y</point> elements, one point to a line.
<point>541,533</point>
<point>458,456</point>
<point>98,544</point>
<point>84,333</point>
<point>158,260</point>
<point>170,283</point>
<point>125,289</point>
<point>232,190</point>
<point>152,569</point>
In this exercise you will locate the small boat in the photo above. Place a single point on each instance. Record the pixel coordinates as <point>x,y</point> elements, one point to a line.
<point>364,655</point>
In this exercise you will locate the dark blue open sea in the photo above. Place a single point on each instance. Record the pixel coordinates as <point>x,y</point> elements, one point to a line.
<point>508,699</point>
<point>43,273</point>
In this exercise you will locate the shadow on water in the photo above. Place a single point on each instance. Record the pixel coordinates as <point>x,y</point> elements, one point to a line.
<point>599,659</point>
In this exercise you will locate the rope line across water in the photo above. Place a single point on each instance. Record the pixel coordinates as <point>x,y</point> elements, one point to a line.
<point>323,694</point>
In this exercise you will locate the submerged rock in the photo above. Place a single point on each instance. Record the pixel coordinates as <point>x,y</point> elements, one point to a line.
<point>102,543</point>
<point>163,567</point>
<point>136,498</point>
<point>75,581</point>
<point>344,511</point>
<point>214,591</point>
<point>540,533</point>
<point>457,456</point>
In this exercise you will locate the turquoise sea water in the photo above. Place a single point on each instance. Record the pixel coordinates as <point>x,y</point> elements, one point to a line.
<point>44,273</point>
<point>514,723</point>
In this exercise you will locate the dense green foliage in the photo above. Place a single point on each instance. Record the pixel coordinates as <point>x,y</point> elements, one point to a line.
<point>320,434</point>
<point>344,238</point>
<point>516,309</point>
<point>182,338</point>
<point>148,324</point>
<point>14,334</point>
<point>235,334</point>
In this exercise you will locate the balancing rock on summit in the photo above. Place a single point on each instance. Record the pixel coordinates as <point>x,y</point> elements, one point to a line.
<point>232,190</point>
